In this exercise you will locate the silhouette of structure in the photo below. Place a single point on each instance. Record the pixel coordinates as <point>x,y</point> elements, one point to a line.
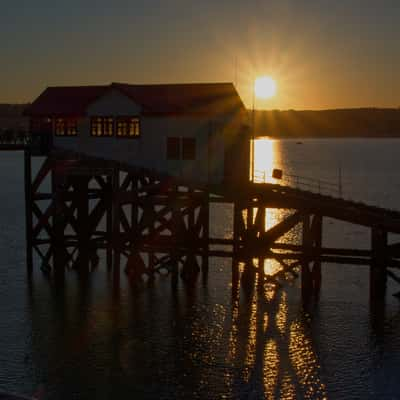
<point>151,221</point>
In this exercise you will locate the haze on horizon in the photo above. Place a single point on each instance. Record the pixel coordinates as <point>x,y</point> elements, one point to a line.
<point>322,53</point>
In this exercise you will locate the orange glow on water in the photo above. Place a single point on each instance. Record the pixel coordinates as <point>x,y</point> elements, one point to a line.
<point>266,158</point>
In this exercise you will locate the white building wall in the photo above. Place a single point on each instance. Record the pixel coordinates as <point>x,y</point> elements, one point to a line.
<point>150,149</point>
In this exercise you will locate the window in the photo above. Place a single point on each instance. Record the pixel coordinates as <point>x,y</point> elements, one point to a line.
<point>65,127</point>
<point>181,148</point>
<point>102,126</point>
<point>72,127</point>
<point>173,148</point>
<point>188,149</point>
<point>59,127</point>
<point>128,127</point>
<point>108,126</point>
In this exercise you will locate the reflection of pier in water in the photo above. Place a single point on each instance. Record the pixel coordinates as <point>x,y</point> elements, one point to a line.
<point>148,223</point>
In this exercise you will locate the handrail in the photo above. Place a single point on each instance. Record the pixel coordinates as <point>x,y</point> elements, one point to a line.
<point>302,182</point>
<point>15,137</point>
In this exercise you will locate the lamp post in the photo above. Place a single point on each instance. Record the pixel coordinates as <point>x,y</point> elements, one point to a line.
<point>253,132</point>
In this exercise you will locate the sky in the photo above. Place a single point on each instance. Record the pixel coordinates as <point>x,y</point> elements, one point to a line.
<point>322,53</point>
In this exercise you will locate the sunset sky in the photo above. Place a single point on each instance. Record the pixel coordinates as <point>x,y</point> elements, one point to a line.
<point>322,54</point>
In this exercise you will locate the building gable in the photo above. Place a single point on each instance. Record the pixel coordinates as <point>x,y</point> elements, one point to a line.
<point>113,103</point>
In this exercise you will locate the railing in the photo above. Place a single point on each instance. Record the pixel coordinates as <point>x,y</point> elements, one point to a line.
<point>38,143</point>
<point>10,137</point>
<point>301,182</point>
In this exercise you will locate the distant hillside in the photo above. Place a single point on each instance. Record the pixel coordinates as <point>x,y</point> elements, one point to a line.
<point>363,122</point>
<point>11,117</point>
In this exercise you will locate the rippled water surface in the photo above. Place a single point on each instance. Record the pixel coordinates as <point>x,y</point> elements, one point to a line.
<point>95,339</point>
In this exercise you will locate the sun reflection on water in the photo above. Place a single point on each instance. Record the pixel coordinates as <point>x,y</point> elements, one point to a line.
<point>267,157</point>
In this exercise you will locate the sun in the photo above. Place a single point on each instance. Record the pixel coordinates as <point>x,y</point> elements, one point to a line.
<point>265,87</point>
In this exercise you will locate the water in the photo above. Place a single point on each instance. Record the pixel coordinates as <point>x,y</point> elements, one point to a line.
<point>91,339</point>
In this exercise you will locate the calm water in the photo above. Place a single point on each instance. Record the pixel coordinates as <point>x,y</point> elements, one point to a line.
<point>92,339</point>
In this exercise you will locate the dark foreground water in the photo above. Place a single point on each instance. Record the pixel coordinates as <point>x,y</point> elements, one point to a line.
<point>95,340</point>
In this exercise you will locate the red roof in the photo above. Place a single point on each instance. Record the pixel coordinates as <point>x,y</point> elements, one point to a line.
<point>68,100</point>
<point>194,98</point>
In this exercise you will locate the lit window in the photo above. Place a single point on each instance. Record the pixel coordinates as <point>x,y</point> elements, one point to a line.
<point>102,126</point>
<point>59,128</point>
<point>96,127</point>
<point>72,127</point>
<point>65,127</point>
<point>128,127</point>
<point>108,126</point>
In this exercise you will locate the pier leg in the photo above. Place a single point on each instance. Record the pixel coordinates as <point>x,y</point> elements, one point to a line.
<point>205,212</point>
<point>378,266</point>
<point>83,234</point>
<point>28,210</point>
<point>260,227</point>
<point>188,235</point>
<point>109,224</point>
<point>316,271</point>
<point>306,275</point>
<point>59,252</point>
<point>116,228</point>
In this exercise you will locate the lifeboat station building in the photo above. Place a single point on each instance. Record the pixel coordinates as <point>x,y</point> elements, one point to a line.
<point>197,132</point>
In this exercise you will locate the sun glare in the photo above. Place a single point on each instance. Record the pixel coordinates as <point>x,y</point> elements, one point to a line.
<point>264,87</point>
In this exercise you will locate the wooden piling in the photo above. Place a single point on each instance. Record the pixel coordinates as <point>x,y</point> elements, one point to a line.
<point>57,239</point>
<point>378,266</point>
<point>28,209</point>
<point>306,276</point>
<point>116,240</point>
<point>109,221</point>
<point>205,215</point>
<point>83,234</point>
<point>317,239</point>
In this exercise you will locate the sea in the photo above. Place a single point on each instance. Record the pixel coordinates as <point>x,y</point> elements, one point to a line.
<point>94,339</point>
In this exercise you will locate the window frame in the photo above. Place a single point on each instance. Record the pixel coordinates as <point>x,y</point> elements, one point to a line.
<point>103,123</point>
<point>128,120</point>
<point>67,123</point>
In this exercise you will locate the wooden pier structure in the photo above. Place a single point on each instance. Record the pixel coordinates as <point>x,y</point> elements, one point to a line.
<point>148,223</point>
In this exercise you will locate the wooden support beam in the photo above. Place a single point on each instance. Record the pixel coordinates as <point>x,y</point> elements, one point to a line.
<point>306,276</point>
<point>28,210</point>
<point>273,234</point>
<point>109,222</point>
<point>60,256</point>
<point>323,250</point>
<point>83,230</point>
<point>378,275</point>
<point>317,239</point>
<point>393,276</point>
<point>117,245</point>
<point>205,217</point>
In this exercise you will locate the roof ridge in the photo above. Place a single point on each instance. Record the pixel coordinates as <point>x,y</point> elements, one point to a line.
<point>173,84</point>
<point>77,86</point>
<point>164,98</point>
